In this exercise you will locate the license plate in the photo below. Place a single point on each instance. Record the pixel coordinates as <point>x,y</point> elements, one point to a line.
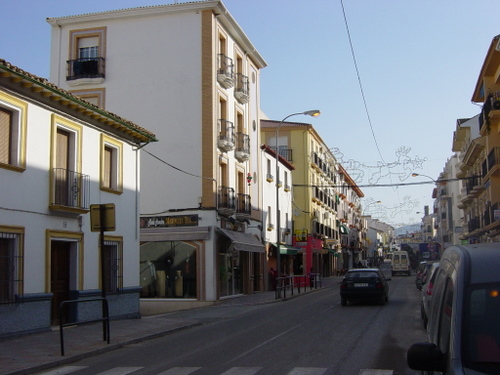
<point>356,285</point>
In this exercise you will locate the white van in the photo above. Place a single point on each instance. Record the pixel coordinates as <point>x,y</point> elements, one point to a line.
<point>400,263</point>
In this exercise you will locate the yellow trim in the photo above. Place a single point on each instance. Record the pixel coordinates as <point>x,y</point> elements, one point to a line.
<point>22,109</point>
<point>118,146</point>
<point>61,235</point>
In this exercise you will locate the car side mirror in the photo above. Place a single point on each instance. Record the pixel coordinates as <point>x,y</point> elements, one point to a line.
<point>425,357</point>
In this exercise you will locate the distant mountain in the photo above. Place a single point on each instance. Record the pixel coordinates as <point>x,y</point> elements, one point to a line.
<point>412,228</point>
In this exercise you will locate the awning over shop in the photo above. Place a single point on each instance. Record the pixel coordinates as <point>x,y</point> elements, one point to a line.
<point>243,241</point>
<point>334,252</point>
<point>344,229</point>
<point>288,250</point>
<point>174,234</point>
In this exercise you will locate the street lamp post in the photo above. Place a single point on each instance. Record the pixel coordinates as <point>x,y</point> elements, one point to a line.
<point>313,113</point>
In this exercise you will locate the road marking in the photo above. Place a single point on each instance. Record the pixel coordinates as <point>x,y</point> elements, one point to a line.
<point>375,372</point>
<point>242,371</point>
<point>120,371</point>
<point>180,371</point>
<point>63,370</point>
<point>307,371</point>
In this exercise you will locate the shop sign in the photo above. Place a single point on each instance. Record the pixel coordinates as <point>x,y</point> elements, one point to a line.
<point>169,221</point>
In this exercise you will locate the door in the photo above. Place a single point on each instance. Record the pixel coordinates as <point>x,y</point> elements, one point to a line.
<point>59,281</point>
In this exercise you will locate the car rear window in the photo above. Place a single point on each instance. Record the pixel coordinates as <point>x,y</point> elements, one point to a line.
<point>361,275</point>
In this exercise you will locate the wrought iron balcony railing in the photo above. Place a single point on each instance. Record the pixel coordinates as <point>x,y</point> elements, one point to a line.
<point>241,91</point>
<point>225,71</point>
<point>225,140</point>
<point>71,189</point>
<point>86,68</point>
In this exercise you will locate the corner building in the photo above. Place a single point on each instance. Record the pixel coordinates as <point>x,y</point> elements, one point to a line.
<point>189,73</point>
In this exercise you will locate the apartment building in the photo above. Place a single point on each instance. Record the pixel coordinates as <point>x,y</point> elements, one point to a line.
<point>196,76</point>
<point>61,157</point>
<point>481,163</point>
<point>277,197</point>
<point>325,201</point>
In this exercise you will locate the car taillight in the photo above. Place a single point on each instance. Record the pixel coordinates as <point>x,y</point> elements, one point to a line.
<point>379,284</point>
<point>343,285</point>
<point>429,288</point>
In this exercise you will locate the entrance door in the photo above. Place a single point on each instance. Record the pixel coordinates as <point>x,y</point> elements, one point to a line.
<point>59,282</point>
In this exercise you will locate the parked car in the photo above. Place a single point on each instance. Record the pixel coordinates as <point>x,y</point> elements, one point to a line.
<point>364,284</point>
<point>400,263</point>
<point>428,287</point>
<point>463,333</point>
<point>421,273</point>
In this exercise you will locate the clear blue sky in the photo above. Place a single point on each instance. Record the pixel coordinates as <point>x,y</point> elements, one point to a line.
<point>418,63</point>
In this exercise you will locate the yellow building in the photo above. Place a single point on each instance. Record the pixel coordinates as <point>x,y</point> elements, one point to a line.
<point>326,201</point>
<point>481,163</point>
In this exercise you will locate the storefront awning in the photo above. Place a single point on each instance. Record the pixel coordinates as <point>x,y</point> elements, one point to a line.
<point>334,252</point>
<point>288,250</point>
<point>174,234</point>
<point>243,241</point>
<point>344,229</point>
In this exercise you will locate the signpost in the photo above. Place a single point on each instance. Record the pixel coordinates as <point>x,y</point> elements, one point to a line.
<point>102,219</point>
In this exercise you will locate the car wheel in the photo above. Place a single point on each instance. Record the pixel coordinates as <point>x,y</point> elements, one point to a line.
<point>343,302</point>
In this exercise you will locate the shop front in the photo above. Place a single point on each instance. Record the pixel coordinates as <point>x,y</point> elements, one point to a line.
<point>241,259</point>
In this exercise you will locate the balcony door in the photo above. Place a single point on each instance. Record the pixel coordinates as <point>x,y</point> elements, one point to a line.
<point>62,161</point>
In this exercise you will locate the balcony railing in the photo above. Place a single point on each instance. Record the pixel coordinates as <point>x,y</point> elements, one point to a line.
<point>241,91</point>
<point>86,68</point>
<point>71,189</point>
<point>242,151</point>
<point>225,71</point>
<point>285,153</point>
<point>243,204</point>
<point>226,135</point>
<point>226,198</point>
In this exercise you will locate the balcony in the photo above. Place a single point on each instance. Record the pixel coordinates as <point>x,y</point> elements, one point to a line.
<point>226,200</point>
<point>242,152</point>
<point>241,91</point>
<point>243,205</point>
<point>494,162</point>
<point>285,153</point>
<point>225,142</point>
<point>85,68</point>
<point>225,71</point>
<point>71,191</point>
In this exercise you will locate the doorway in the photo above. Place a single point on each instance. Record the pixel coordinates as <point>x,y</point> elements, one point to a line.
<point>59,278</point>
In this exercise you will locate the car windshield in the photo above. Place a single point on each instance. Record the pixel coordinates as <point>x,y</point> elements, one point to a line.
<point>362,275</point>
<point>481,330</point>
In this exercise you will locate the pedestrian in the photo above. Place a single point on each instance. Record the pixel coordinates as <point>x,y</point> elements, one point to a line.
<point>273,276</point>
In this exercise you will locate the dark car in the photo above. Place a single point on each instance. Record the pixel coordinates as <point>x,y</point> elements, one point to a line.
<point>364,284</point>
<point>463,331</point>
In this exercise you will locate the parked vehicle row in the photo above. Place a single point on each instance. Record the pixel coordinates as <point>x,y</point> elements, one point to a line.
<point>463,329</point>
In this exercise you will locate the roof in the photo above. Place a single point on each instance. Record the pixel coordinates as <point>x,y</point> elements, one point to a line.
<point>41,90</point>
<point>283,161</point>
<point>483,260</point>
<point>216,6</point>
<point>489,69</point>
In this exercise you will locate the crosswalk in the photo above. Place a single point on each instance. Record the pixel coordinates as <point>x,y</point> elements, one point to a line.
<point>65,370</point>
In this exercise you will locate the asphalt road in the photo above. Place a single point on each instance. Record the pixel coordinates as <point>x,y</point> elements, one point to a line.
<point>310,335</point>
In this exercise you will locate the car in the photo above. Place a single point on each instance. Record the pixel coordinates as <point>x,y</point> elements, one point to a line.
<point>463,332</point>
<point>421,273</point>
<point>428,286</point>
<point>364,284</point>
<point>400,263</point>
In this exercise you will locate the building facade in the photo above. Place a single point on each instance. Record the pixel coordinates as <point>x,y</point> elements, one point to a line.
<point>60,157</point>
<point>325,201</point>
<point>197,77</point>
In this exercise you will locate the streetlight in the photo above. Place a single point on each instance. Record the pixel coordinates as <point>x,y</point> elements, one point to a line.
<point>423,175</point>
<point>313,113</point>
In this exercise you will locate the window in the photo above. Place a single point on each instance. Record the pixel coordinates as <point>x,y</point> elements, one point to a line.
<point>113,264</point>
<point>94,96</point>
<point>13,114</point>
<point>111,165</point>
<point>11,263</point>
<point>86,54</point>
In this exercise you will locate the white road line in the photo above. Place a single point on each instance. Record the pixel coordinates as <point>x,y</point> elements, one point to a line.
<point>120,371</point>
<point>242,371</point>
<point>307,371</point>
<point>375,372</point>
<point>179,371</point>
<point>63,370</point>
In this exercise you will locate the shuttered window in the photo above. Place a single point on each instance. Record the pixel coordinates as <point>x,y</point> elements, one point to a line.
<point>5,136</point>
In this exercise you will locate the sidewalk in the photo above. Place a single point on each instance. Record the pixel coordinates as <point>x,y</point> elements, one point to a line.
<point>33,353</point>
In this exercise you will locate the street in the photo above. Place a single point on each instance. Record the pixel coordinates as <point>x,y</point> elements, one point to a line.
<point>311,334</point>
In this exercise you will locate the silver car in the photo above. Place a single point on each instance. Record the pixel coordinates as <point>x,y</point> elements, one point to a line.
<point>463,334</point>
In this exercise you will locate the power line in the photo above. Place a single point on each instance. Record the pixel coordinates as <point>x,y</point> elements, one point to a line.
<point>359,80</point>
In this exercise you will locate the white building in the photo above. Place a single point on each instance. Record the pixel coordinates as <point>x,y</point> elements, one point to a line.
<point>58,156</point>
<point>196,78</point>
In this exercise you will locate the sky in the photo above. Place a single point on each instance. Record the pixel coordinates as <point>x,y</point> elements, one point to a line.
<point>391,77</point>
